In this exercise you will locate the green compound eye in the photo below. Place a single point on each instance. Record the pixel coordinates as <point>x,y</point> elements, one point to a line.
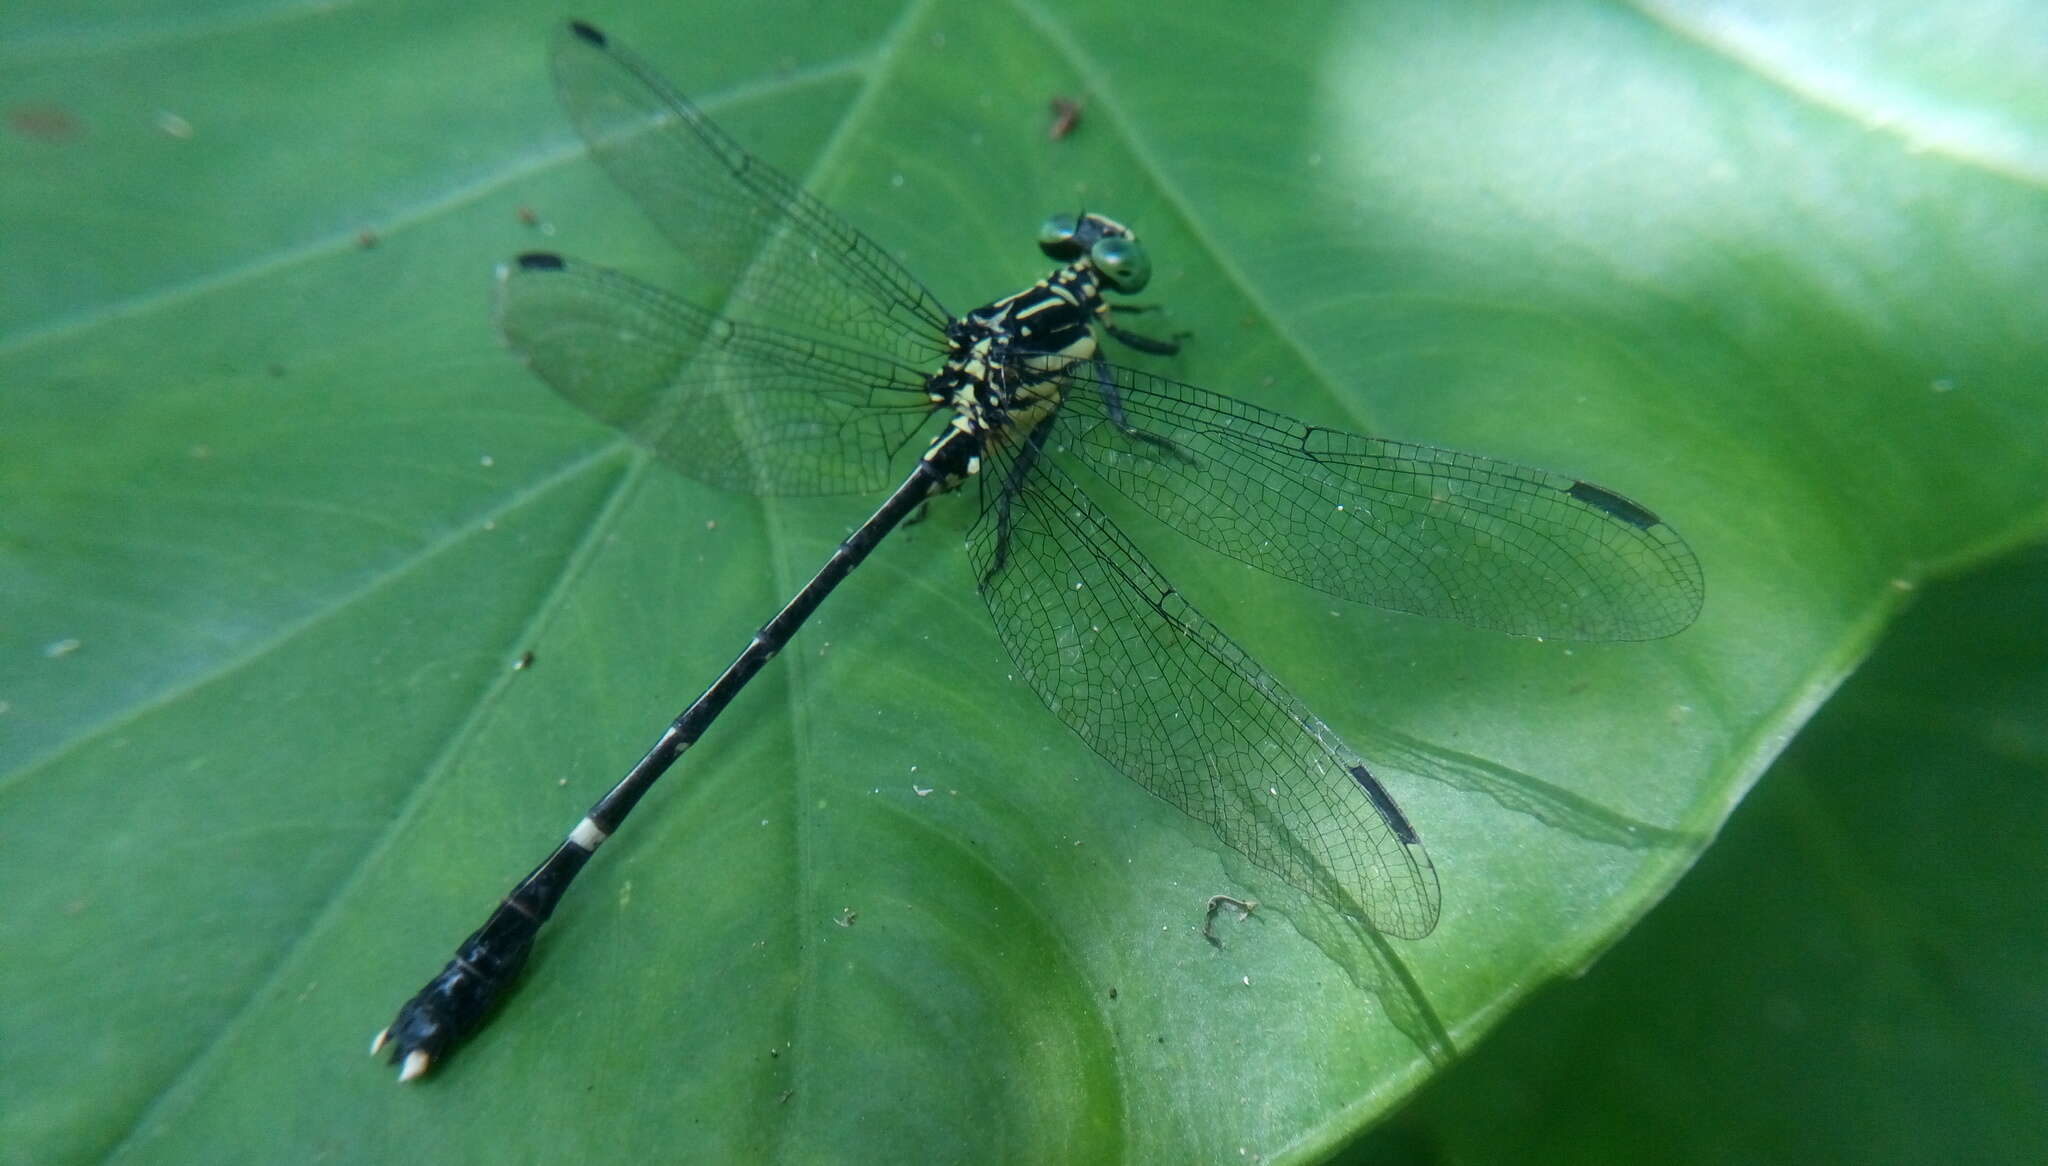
<point>1057,238</point>
<point>1123,263</point>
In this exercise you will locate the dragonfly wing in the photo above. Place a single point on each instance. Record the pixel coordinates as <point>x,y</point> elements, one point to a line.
<point>1159,691</point>
<point>755,240</point>
<point>740,406</point>
<point>1408,527</point>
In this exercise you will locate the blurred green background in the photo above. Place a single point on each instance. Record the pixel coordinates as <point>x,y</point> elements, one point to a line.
<point>1849,975</point>
<point>277,515</point>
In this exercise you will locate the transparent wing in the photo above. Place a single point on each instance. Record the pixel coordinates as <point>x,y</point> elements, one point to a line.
<point>1131,666</point>
<point>740,406</point>
<point>759,245</point>
<point>1408,527</point>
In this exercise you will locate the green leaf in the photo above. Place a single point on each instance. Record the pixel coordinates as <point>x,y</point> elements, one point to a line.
<point>1845,977</point>
<point>277,516</point>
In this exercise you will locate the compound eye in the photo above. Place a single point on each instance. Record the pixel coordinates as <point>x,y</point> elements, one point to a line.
<point>1057,238</point>
<point>1122,262</point>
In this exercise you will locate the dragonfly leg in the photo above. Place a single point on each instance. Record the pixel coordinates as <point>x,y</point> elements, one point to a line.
<point>1113,404</point>
<point>1013,482</point>
<point>1142,342</point>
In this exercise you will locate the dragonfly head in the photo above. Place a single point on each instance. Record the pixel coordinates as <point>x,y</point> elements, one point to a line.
<point>1107,245</point>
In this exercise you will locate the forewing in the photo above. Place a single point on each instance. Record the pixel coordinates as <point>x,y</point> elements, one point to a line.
<point>1408,527</point>
<point>759,246</point>
<point>1131,666</point>
<point>740,406</point>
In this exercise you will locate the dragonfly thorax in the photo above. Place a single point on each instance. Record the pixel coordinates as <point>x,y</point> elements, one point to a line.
<point>1003,370</point>
<point>1006,361</point>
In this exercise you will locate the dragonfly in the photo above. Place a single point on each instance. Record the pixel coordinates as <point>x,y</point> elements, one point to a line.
<point>809,362</point>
